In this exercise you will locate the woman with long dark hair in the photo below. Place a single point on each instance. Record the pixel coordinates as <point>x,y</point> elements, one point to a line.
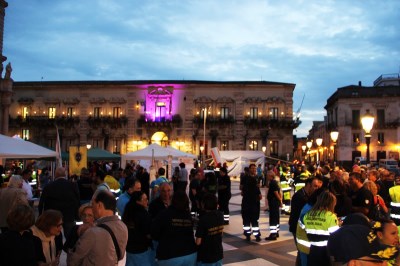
<point>138,221</point>
<point>173,229</point>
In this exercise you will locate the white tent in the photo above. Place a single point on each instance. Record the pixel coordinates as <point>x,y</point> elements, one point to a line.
<point>16,148</point>
<point>241,159</point>
<point>156,152</point>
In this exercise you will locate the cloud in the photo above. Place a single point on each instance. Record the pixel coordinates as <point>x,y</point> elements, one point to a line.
<point>319,46</point>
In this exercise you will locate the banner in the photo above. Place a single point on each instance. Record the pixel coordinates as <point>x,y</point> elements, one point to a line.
<point>77,159</point>
<point>58,150</point>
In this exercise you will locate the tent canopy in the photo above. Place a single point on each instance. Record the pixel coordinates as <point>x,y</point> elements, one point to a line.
<point>95,154</point>
<point>157,152</point>
<point>16,148</point>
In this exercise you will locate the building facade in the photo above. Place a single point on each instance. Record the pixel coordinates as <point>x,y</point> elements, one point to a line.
<point>345,109</point>
<point>124,116</point>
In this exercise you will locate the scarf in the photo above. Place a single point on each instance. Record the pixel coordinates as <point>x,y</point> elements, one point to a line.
<point>48,244</point>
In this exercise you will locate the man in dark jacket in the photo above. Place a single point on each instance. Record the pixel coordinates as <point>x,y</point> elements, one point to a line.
<point>63,196</point>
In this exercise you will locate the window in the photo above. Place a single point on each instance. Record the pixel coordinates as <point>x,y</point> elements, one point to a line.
<point>253,145</point>
<point>356,138</point>
<point>117,145</point>
<point>381,137</point>
<point>380,113</point>
<point>52,112</point>
<point>116,112</point>
<point>161,111</point>
<point>224,145</point>
<point>356,121</point>
<point>70,112</point>
<point>274,145</point>
<point>253,113</point>
<point>25,134</point>
<point>97,112</point>
<point>273,113</point>
<point>24,112</point>
<point>224,112</point>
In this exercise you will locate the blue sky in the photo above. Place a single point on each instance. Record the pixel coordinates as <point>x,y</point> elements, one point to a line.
<point>318,45</point>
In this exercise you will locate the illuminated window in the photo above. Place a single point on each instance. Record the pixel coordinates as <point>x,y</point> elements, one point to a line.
<point>224,112</point>
<point>24,112</point>
<point>356,138</point>
<point>253,113</point>
<point>70,111</point>
<point>273,113</point>
<point>96,112</point>
<point>161,111</point>
<point>274,145</point>
<point>253,145</point>
<point>52,112</point>
<point>117,145</point>
<point>25,134</point>
<point>224,145</point>
<point>117,112</point>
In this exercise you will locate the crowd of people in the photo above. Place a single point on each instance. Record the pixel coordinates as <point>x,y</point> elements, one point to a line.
<point>134,217</point>
<point>94,221</point>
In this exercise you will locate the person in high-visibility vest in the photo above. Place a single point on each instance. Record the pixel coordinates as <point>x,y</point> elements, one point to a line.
<point>319,223</point>
<point>286,191</point>
<point>394,193</point>
<point>300,180</point>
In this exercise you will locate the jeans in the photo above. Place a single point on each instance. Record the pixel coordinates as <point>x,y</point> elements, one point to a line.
<point>139,259</point>
<point>188,260</point>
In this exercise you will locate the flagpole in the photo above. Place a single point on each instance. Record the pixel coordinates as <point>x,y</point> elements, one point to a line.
<point>58,150</point>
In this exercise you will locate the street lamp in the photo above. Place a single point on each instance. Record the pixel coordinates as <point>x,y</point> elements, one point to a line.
<point>88,146</point>
<point>318,141</point>
<point>367,122</point>
<point>309,145</point>
<point>334,138</point>
<point>264,149</point>
<point>304,147</point>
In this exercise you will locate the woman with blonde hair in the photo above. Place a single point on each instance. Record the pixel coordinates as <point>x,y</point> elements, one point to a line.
<point>320,222</point>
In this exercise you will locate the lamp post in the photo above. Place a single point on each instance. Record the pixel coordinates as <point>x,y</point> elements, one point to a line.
<point>201,155</point>
<point>204,110</point>
<point>334,138</point>
<point>88,146</point>
<point>303,148</point>
<point>309,145</point>
<point>318,141</point>
<point>367,122</point>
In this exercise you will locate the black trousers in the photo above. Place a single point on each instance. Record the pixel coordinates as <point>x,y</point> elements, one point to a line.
<point>274,216</point>
<point>250,222</point>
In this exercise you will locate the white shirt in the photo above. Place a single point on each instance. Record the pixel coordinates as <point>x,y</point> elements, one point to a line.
<point>28,189</point>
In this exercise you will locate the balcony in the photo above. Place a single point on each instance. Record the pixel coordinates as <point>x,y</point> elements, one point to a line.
<point>44,121</point>
<point>148,122</point>
<point>107,121</point>
<point>264,122</point>
<point>214,120</point>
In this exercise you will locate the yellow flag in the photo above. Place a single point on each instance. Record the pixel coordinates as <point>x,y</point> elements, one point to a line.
<point>77,159</point>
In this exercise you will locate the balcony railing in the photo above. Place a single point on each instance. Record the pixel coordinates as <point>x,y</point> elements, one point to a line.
<point>214,120</point>
<point>104,121</point>
<point>167,122</point>
<point>262,122</point>
<point>43,121</point>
